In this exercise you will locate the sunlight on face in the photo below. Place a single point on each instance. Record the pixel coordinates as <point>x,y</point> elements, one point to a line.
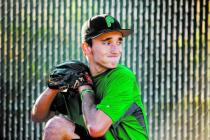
<point>107,49</point>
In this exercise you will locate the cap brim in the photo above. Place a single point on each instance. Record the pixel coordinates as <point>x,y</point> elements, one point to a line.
<point>125,32</point>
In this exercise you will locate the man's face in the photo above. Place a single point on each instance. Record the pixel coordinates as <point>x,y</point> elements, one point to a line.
<point>107,49</point>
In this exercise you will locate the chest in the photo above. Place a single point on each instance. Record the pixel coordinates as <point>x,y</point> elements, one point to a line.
<point>101,88</point>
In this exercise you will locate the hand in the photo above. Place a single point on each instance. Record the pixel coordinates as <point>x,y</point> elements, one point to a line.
<point>81,80</point>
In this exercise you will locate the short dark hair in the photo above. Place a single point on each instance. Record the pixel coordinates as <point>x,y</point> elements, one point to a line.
<point>89,42</point>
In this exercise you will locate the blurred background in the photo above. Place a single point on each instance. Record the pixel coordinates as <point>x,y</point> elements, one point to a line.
<point>169,52</point>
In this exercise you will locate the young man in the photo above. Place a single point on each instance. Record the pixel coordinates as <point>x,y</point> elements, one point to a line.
<point>114,109</point>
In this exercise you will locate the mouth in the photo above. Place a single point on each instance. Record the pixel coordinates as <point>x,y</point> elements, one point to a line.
<point>114,58</point>
<point>113,55</point>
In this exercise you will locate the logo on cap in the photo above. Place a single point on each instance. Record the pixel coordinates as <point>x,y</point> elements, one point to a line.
<point>109,20</point>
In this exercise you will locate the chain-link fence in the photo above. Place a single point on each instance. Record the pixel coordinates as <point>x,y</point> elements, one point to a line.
<point>169,53</point>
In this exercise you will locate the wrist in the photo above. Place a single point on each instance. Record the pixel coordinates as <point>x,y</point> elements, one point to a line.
<point>53,91</point>
<point>83,87</point>
<point>85,92</point>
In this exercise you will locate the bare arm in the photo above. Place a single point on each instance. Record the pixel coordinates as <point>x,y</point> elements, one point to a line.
<point>97,122</point>
<point>40,111</point>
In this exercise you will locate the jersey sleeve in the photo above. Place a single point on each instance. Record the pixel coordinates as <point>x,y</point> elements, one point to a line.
<point>119,95</point>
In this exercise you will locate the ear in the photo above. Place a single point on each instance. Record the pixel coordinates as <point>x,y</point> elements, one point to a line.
<point>86,49</point>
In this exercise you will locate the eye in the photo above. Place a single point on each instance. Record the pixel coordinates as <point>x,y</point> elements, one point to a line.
<point>119,42</point>
<point>106,43</point>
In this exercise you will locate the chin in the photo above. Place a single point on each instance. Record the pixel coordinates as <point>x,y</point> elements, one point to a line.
<point>113,65</point>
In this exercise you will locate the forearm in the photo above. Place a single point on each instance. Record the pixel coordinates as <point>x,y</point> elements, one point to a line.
<point>40,110</point>
<point>88,105</point>
<point>96,121</point>
<point>89,109</point>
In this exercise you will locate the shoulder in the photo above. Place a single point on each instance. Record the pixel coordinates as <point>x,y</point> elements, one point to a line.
<point>121,71</point>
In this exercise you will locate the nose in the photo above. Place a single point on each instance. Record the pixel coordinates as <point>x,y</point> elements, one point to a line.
<point>114,48</point>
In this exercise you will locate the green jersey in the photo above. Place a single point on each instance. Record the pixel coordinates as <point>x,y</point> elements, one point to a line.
<point>116,91</point>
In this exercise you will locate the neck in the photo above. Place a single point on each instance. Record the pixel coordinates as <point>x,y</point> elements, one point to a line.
<point>96,69</point>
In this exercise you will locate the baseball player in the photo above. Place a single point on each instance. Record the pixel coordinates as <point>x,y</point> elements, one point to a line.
<point>102,101</point>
